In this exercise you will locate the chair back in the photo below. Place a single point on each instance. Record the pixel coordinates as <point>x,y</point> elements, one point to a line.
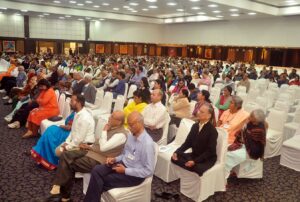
<point>99,98</point>
<point>119,104</point>
<point>107,102</point>
<point>131,90</point>
<point>276,119</point>
<point>183,130</point>
<point>221,145</point>
<point>61,103</point>
<point>164,138</point>
<point>67,108</point>
<point>57,94</point>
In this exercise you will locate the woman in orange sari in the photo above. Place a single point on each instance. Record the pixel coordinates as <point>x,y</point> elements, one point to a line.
<point>48,107</point>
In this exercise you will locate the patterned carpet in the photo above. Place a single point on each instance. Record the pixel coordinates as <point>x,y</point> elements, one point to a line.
<point>21,180</point>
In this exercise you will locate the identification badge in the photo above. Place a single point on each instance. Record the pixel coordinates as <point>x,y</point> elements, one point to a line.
<point>131,157</point>
<point>226,126</point>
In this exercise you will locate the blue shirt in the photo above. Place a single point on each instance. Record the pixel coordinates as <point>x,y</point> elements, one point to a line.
<point>138,156</point>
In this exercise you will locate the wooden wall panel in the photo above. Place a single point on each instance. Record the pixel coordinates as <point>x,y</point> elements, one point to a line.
<point>107,48</point>
<point>152,50</point>
<point>158,50</point>
<point>100,48</point>
<point>130,49</point>
<point>20,46</point>
<point>139,49</point>
<point>116,48</point>
<point>184,52</point>
<point>123,49</point>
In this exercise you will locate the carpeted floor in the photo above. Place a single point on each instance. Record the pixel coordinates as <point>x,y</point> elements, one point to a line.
<point>21,180</point>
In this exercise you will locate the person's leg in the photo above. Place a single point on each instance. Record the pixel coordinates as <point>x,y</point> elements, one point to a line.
<point>182,159</point>
<point>65,171</point>
<point>96,184</point>
<point>234,158</point>
<point>117,180</point>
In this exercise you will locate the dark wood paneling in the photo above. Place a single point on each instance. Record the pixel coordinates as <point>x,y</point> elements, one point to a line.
<point>30,45</point>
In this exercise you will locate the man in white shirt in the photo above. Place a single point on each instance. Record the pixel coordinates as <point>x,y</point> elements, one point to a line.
<point>83,126</point>
<point>109,144</point>
<point>154,116</point>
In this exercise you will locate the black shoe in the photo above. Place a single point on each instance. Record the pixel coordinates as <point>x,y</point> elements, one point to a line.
<point>53,198</point>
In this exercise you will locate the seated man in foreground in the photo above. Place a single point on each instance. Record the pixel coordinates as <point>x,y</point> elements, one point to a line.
<point>136,163</point>
<point>202,138</point>
<point>110,144</point>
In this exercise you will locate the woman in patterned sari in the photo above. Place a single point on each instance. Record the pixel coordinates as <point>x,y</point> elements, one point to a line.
<point>44,151</point>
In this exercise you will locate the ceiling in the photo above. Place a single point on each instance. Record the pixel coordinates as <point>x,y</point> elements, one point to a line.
<point>153,11</point>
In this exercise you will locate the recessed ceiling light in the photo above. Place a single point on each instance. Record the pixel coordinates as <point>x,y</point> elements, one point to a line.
<point>180,9</point>
<point>57,2</point>
<point>24,11</point>
<point>2,8</point>
<point>212,5</point>
<point>101,19</point>
<point>133,4</point>
<point>67,16</point>
<point>151,0</point>
<point>134,11</point>
<point>216,11</point>
<point>96,6</point>
<point>220,16</point>
<point>80,4</point>
<point>145,9</point>
<point>116,9</point>
<point>17,14</point>
<point>201,13</point>
<point>152,6</point>
<point>72,2</point>
<point>62,18</point>
<point>46,14</point>
<point>88,18</point>
<point>105,4</point>
<point>251,13</point>
<point>41,16</point>
<point>80,19</point>
<point>88,2</point>
<point>233,10</point>
<point>126,7</point>
<point>194,0</point>
<point>172,4</point>
<point>235,15</point>
<point>195,8</point>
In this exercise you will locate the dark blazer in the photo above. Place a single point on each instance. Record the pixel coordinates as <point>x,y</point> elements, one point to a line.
<point>77,88</point>
<point>89,93</point>
<point>203,143</point>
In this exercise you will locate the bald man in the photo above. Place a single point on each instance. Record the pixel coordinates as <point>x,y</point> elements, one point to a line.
<point>109,144</point>
<point>136,162</point>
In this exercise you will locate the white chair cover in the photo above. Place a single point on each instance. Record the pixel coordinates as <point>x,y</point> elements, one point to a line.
<point>119,104</point>
<point>213,180</point>
<point>140,193</point>
<point>163,167</point>
<point>276,120</point>
<point>250,168</point>
<point>164,138</point>
<point>290,153</point>
<point>105,107</point>
<point>98,100</point>
<point>131,90</point>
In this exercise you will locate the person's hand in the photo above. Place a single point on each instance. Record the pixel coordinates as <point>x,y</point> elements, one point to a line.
<point>119,168</point>
<point>110,160</point>
<point>174,157</point>
<point>83,146</point>
<point>106,127</point>
<point>190,164</point>
<point>63,146</point>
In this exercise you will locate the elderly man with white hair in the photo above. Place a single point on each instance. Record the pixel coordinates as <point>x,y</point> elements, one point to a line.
<point>89,90</point>
<point>250,141</point>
